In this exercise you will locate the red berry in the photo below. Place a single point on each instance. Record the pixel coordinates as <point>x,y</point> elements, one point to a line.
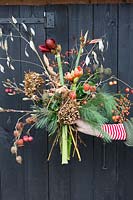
<point>93,88</point>
<point>131,91</point>
<point>20,142</point>
<point>20,125</point>
<point>7,90</point>
<point>127,90</point>
<point>16,133</point>
<point>10,90</point>
<point>50,43</point>
<point>72,95</point>
<point>111,83</point>
<point>30,138</point>
<point>25,138</point>
<point>86,87</point>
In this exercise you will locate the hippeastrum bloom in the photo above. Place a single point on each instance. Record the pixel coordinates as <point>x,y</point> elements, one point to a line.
<point>49,45</point>
<point>44,49</point>
<point>78,72</point>
<point>69,76</point>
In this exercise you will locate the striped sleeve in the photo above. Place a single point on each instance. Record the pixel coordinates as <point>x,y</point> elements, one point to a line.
<point>115,131</point>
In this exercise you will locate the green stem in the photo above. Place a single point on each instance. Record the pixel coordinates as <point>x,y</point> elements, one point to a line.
<point>64,145</point>
<point>60,69</point>
<point>78,57</point>
<point>69,146</point>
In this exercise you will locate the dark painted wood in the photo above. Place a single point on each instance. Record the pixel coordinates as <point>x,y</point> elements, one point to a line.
<point>35,154</point>
<point>106,170</point>
<point>81,18</point>
<point>12,175</point>
<point>125,63</point>
<point>105,25</point>
<point>47,2</point>
<point>59,175</point>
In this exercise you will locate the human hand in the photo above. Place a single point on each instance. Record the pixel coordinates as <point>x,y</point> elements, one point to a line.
<point>85,128</point>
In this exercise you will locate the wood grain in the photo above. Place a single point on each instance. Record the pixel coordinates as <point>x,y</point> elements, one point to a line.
<point>50,2</point>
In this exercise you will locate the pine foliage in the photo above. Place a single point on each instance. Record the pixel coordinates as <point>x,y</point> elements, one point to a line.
<point>46,119</point>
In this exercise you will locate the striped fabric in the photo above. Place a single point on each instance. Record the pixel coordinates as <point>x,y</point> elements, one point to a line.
<point>115,131</point>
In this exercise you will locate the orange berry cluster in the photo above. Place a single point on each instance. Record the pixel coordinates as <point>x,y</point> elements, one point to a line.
<point>76,73</point>
<point>112,82</point>
<point>123,107</point>
<point>88,87</point>
<point>19,142</point>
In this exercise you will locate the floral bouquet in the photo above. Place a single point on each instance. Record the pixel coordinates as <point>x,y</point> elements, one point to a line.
<point>60,98</point>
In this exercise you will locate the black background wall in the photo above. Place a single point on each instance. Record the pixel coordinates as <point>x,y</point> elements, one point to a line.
<point>106,171</point>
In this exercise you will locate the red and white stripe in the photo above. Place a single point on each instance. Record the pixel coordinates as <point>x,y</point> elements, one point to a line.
<point>115,131</point>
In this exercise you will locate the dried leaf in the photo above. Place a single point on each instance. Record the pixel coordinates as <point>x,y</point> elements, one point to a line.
<point>5,45</point>
<point>46,61</point>
<point>8,63</point>
<point>87,60</point>
<point>32,31</point>
<point>8,58</point>
<point>32,46</point>
<point>12,67</point>
<point>0,32</point>
<point>21,84</point>
<point>11,37</point>
<point>85,37</point>
<point>14,20</point>
<point>25,99</point>
<point>26,53</point>
<point>101,45</point>
<point>24,26</point>
<point>2,68</point>
<point>95,57</point>
<point>94,41</point>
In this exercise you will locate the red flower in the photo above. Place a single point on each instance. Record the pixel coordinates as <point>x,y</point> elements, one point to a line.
<point>49,45</point>
<point>44,49</point>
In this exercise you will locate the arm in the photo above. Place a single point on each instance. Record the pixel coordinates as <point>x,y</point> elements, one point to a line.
<point>115,131</point>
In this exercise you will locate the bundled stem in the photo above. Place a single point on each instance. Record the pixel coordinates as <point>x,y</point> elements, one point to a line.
<point>64,145</point>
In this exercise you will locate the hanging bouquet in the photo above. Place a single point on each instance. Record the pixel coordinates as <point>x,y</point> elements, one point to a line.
<point>59,98</point>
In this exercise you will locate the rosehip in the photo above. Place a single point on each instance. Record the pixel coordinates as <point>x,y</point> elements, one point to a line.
<point>86,87</point>
<point>20,142</point>
<point>72,95</point>
<point>19,159</point>
<point>131,91</point>
<point>30,138</point>
<point>110,83</point>
<point>20,125</point>
<point>115,82</point>
<point>13,149</point>
<point>117,117</point>
<point>10,90</point>
<point>16,133</point>
<point>25,138</point>
<point>127,90</point>
<point>50,43</point>
<point>93,89</point>
<point>7,90</point>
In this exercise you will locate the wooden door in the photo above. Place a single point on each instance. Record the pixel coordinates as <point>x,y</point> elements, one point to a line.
<point>106,171</point>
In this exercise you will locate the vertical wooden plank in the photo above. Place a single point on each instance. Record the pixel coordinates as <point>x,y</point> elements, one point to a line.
<point>125,72</point>
<point>59,180</point>
<point>12,183</point>
<point>105,24</point>
<point>81,18</point>
<point>35,154</point>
